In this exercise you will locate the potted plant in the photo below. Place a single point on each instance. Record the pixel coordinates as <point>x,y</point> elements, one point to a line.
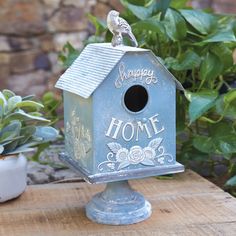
<point>22,128</point>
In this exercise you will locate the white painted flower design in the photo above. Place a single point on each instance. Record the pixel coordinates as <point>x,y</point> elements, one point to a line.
<point>136,155</point>
<point>122,155</point>
<point>111,165</point>
<point>161,160</point>
<point>149,153</point>
<point>78,138</point>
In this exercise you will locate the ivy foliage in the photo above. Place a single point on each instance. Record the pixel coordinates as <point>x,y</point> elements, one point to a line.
<point>197,47</point>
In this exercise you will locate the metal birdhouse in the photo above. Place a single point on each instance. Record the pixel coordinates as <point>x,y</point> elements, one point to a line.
<point>119,111</point>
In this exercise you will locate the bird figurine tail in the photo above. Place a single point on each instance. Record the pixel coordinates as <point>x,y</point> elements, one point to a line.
<point>133,39</point>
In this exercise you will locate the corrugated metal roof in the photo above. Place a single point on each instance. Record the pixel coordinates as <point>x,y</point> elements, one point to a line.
<point>91,67</point>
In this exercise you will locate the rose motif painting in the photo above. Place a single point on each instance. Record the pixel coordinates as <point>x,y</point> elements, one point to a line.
<point>121,158</point>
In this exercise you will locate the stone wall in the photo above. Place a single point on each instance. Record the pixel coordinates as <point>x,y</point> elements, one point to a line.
<point>33,32</point>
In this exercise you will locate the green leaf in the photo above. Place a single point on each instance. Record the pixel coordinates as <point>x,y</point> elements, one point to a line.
<point>48,96</point>
<point>35,113</point>
<point>211,67</point>
<point>27,133</point>
<point>31,104</point>
<point>141,12</point>
<point>224,35</point>
<point>170,62</point>
<point>29,97</point>
<point>226,109</point>
<point>147,9</point>
<point>177,4</point>
<point>47,133</point>
<point>175,25</point>
<point>2,108</point>
<point>3,98</point>
<point>203,22</point>
<point>223,136</point>
<point>10,146</point>
<point>10,131</point>
<point>8,93</point>
<point>204,144</point>
<point>12,103</point>
<point>200,103</point>
<point>100,26</point>
<point>139,2</point>
<point>20,150</point>
<point>21,115</point>
<point>223,53</point>
<point>162,6</point>
<point>227,144</point>
<point>231,182</point>
<point>188,60</point>
<point>153,25</point>
<point>68,55</point>
<point>230,96</point>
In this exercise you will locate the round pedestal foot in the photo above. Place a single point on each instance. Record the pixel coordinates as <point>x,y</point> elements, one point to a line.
<point>118,204</point>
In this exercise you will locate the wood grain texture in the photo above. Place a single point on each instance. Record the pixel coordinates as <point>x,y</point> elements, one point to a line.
<point>184,205</point>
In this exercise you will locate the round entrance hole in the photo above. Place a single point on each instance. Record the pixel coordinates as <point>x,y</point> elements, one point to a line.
<point>136,98</point>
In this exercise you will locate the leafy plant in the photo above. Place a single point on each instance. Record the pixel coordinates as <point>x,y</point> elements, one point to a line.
<point>22,126</point>
<point>52,104</point>
<point>197,47</point>
<point>68,55</point>
<point>52,110</point>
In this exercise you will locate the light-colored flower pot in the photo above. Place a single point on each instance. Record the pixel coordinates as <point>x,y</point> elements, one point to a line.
<point>12,177</point>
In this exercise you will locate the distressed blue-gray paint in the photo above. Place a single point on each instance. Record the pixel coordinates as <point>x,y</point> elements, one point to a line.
<point>161,101</point>
<point>105,142</point>
<point>79,129</point>
<point>118,204</point>
<point>106,102</point>
<point>122,174</point>
<point>93,66</point>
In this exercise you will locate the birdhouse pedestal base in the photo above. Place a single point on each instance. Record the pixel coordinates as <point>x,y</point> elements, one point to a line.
<point>118,204</point>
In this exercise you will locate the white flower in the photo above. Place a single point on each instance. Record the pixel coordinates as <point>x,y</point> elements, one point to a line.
<point>111,165</point>
<point>149,153</point>
<point>136,155</point>
<point>122,155</point>
<point>161,160</point>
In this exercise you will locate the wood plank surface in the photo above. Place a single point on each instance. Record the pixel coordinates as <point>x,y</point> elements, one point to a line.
<point>184,205</point>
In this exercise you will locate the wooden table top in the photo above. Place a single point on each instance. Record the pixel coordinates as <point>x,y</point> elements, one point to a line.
<point>185,205</point>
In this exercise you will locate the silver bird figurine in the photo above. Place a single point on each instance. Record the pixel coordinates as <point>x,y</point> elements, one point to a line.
<point>119,27</point>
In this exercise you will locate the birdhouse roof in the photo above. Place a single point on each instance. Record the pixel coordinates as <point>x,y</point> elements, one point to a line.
<point>92,66</point>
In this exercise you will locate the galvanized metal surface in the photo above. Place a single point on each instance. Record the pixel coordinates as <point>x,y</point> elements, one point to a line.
<point>105,140</point>
<point>118,204</point>
<point>91,67</point>
<point>122,174</point>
